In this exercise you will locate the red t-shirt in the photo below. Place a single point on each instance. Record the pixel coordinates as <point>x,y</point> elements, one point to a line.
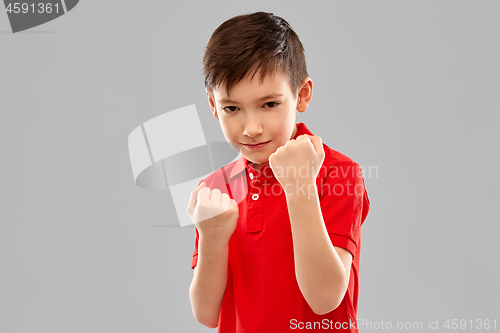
<point>262,293</point>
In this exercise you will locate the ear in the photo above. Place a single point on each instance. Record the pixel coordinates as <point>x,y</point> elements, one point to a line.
<point>305,94</point>
<point>211,102</point>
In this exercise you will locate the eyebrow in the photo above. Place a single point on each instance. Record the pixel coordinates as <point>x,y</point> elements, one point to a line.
<point>273,95</point>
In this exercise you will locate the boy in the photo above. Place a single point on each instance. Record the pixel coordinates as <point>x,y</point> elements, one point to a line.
<point>285,256</point>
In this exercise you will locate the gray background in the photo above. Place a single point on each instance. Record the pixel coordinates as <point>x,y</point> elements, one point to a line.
<point>408,87</point>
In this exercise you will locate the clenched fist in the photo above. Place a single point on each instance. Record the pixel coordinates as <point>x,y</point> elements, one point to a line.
<point>214,214</point>
<point>304,156</point>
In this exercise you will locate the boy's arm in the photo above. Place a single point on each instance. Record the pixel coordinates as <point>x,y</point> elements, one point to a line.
<point>322,270</point>
<point>209,282</point>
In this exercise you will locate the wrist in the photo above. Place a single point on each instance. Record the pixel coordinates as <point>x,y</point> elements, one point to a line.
<point>212,245</point>
<point>301,190</point>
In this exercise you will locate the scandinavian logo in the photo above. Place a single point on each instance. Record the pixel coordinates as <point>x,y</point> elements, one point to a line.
<point>26,14</point>
<point>170,151</point>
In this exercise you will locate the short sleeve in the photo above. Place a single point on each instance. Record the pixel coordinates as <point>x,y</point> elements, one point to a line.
<point>344,204</point>
<point>194,262</point>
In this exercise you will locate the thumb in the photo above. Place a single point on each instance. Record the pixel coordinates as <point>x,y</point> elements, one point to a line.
<point>318,144</point>
<point>233,204</point>
<point>194,197</point>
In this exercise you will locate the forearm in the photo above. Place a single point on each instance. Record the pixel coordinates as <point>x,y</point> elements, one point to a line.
<point>209,282</point>
<point>319,270</point>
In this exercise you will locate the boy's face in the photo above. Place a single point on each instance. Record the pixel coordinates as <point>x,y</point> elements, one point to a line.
<point>250,115</point>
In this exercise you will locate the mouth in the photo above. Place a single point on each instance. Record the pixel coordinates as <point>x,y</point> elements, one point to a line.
<point>257,145</point>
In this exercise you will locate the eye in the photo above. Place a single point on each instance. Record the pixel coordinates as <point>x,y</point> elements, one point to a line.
<point>229,107</point>
<point>272,104</point>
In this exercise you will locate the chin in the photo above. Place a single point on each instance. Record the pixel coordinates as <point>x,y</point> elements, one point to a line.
<point>253,160</point>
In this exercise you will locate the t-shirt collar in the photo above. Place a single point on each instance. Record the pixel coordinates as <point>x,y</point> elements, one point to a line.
<point>243,164</point>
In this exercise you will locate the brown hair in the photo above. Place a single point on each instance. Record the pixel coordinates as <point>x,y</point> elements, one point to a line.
<point>251,42</point>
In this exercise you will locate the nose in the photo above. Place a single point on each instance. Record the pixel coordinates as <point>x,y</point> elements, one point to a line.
<point>253,125</point>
